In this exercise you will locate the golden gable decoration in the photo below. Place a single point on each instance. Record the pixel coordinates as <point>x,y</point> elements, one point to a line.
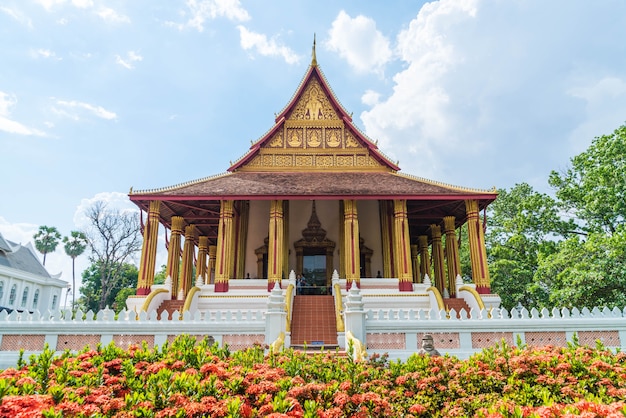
<point>313,104</point>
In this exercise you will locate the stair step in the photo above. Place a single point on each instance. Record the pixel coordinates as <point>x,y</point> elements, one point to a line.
<point>456,304</point>
<point>170,306</point>
<point>313,322</point>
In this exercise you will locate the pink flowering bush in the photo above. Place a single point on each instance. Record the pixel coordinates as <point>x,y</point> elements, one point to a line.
<point>186,379</point>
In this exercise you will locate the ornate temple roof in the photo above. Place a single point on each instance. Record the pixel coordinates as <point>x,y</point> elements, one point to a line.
<point>313,151</point>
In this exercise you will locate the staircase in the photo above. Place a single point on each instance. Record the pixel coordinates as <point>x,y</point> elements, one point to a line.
<point>170,306</point>
<point>313,322</point>
<point>457,304</point>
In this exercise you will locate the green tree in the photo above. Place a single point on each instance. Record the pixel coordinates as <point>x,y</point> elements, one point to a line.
<point>74,247</point>
<point>114,238</point>
<point>586,271</point>
<point>524,227</point>
<point>91,288</point>
<point>46,240</point>
<point>593,189</point>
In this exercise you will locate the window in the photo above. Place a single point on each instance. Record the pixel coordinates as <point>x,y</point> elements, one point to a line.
<point>24,297</point>
<point>1,291</point>
<point>12,295</point>
<point>54,301</point>
<point>36,299</point>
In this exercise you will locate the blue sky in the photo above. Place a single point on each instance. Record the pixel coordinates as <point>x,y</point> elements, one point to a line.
<point>98,96</point>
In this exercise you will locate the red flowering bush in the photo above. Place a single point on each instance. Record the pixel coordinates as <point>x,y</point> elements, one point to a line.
<point>186,379</point>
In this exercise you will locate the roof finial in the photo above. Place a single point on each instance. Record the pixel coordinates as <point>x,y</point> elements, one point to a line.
<point>314,57</point>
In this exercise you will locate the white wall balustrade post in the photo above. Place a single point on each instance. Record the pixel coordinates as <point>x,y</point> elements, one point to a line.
<point>276,316</point>
<point>354,315</point>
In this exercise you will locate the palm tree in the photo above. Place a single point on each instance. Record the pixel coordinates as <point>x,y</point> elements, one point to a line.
<point>46,240</point>
<point>74,247</point>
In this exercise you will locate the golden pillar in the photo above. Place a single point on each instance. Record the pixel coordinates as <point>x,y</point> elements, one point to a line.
<point>186,276</point>
<point>203,253</point>
<point>415,260</point>
<point>478,253</point>
<point>342,242</point>
<point>351,253</point>
<point>286,237</point>
<point>212,258</point>
<point>275,252</point>
<point>386,237</point>
<point>452,253</point>
<point>402,246</point>
<point>173,253</point>
<point>149,249</point>
<point>422,244</point>
<point>242,235</point>
<point>225,240</point>
<point>437,250</point>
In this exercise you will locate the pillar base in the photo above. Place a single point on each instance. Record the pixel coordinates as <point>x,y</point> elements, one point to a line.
<point>350,283</point>
<point>270,285</point>
<point>221,287</point>
<point>143,291</point>
<point>405,286</point>
<point>483,290</point>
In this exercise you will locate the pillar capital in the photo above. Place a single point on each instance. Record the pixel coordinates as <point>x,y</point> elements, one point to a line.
<point>178,223</point>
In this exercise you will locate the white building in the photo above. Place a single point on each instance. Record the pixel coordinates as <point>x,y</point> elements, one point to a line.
<point>25,285</point>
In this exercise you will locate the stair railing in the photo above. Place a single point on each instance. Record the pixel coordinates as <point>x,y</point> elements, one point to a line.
<point>338,308</point>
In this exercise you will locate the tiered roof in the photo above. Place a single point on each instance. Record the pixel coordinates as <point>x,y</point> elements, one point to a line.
<point>313,151</point>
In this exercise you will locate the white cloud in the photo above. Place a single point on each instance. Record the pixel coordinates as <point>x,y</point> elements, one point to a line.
<point>44,53</point>
<point>267,47</point>
<point>9,125</point>
<point>605,105</point>
<point>112,200</point>
<point>111,16</point>
<point>131,57</point>
<point>18,16</point>
<point>72,107</point>
<point>199,11</point>
<point>49,4</point>
<point>479,89</point>
<point>359,42</point>
<point>370,98</point>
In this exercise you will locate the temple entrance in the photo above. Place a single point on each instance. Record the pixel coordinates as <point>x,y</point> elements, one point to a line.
<point>314,275</point>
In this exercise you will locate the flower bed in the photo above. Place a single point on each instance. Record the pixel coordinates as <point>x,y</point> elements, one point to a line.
<point>189,379</point>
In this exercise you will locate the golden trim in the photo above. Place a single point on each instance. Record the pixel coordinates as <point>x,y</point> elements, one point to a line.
<point>179,185</point>
<point>446,185</point>
<point>359,352</point>
<point>189,298</point>
<point>278,343</point>
<point>338,308</point>
<point>440,303</point>
<point>146,303</point>
<point>288,307</point>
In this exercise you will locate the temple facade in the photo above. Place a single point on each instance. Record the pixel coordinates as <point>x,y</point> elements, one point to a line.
<point>313,198</point>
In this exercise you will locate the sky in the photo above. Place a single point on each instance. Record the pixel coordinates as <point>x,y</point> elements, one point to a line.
<point>98,96</point>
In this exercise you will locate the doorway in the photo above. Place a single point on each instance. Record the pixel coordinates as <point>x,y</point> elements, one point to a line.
<point>314,275</point>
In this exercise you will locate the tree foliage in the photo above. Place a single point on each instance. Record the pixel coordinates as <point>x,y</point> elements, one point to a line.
<point>74,247</point>
<point>594,187</point>
<point>523,226</point>
<point>114,238</point>
<point>568,250</point>
<point>115,298</point>
<point>46,240</point>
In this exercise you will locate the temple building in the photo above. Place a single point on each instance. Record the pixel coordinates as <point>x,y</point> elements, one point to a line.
<point>313,197</point>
